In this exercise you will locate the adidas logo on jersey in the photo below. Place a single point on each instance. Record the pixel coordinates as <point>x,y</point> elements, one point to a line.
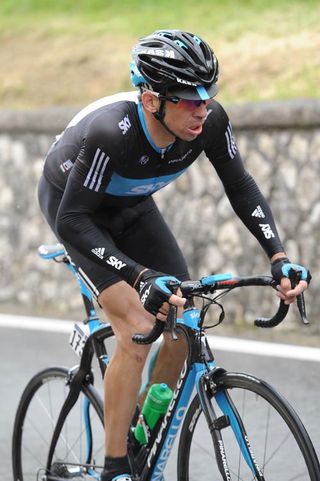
<point>258,212</point>
<point>98,251</point>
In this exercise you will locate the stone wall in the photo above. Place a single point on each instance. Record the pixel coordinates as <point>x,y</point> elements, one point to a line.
<point>280,143</point>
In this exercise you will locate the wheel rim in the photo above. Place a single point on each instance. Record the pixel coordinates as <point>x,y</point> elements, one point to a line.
<point>71,453</point>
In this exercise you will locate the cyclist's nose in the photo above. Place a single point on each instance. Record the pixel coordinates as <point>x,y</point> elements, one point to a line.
<point>201,111</point>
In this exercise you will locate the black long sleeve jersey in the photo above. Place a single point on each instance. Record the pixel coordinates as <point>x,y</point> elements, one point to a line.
<point>105,159</point>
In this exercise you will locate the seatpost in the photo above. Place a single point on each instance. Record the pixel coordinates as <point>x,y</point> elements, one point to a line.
<point>85,293</point>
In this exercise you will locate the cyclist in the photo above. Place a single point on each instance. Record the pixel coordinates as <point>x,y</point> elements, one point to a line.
<point>96,194</point>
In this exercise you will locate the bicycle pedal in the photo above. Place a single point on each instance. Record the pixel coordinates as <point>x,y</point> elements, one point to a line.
<point>220,423</point>
<point>61,472</point>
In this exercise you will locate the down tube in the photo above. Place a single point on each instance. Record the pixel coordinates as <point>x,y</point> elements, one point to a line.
<point>196,371</point>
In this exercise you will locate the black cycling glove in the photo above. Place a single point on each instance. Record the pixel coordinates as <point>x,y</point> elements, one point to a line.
<point>281,268</point>
<point>153,291</point>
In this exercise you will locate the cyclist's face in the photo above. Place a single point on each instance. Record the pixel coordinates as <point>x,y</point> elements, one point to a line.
<point>186,118</point>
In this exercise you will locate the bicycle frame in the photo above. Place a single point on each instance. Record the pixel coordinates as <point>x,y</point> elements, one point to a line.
<point>199,371</point>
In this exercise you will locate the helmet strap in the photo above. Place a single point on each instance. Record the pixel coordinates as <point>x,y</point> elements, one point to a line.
<point>160,114</point>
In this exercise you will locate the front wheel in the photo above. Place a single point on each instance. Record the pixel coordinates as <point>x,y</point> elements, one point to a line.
<point>80,447</point>
<point>251,414</point>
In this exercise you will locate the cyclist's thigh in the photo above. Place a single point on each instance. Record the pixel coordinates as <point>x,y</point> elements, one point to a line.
<point>149,241</point>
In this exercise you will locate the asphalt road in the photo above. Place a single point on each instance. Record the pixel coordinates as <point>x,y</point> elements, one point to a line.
<point>25,351</point>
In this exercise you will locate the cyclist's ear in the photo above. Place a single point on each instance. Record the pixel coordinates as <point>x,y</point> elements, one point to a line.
<point>150,102</point>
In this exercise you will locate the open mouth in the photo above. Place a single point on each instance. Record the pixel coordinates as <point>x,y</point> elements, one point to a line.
<point>196,130</point>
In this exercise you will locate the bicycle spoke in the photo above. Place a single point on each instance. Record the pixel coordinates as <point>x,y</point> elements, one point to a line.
<point>276,449</point>
<point>266,438</point>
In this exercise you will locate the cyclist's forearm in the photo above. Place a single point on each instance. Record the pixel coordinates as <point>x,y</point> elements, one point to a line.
<point>254,211</point>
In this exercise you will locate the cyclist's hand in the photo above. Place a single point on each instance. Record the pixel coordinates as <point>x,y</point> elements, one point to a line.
<point>282,270</point>
<point>155,295</point>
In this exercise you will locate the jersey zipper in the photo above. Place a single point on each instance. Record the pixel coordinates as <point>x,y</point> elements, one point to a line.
<point>163,152</point>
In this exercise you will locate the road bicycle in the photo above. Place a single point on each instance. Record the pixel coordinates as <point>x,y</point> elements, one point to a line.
<point>236,427</point>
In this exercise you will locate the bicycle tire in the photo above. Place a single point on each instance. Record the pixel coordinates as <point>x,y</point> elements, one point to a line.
<point>282,448</point>
<point>37,413</point>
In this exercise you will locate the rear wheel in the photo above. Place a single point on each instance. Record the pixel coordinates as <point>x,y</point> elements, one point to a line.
<point>279,443</point>
<point>36,418</point>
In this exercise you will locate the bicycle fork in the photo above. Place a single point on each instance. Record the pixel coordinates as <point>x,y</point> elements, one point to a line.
<point>207,388</point>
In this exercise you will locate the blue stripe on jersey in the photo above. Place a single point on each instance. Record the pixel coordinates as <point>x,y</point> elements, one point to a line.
<point>145,129</point>
<point>147,134</point>
<point>122,186</point>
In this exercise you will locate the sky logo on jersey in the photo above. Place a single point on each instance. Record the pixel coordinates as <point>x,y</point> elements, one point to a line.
<point>267,231</point>
<point>125,124</point>
<point>114,262</point>
<point>122,186</point>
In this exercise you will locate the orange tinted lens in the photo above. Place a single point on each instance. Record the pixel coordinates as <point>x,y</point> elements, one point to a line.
<point>191,104</point>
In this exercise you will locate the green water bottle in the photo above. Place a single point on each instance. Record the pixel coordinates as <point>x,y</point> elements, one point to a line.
<point>154,406</point>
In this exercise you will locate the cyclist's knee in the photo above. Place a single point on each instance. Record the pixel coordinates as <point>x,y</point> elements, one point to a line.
<point>127,316</point>
<point>121,301</point>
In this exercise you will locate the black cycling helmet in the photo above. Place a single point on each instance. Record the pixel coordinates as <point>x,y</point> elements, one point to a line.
<point>175,61</point>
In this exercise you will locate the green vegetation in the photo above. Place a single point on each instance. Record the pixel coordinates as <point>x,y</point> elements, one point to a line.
<point>71,52</point>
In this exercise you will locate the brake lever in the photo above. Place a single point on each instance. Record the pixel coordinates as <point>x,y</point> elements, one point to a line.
<point>172,322</point>
<point>172,314</point>
<point>295,277</point>
<point>302,309</point>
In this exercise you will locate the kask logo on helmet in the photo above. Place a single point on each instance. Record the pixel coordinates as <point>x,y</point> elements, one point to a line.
<point>159,52</point>
<point>186,82</point>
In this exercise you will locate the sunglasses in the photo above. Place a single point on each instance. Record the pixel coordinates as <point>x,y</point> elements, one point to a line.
<point>183,103</point>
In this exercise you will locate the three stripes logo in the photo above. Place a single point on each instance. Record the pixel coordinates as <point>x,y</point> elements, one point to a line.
<point>258,212</point>
<point>98,251</point>
<point>232,146</point>
<point>95,174</point>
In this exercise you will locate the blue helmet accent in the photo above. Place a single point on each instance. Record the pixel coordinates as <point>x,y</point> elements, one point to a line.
<point>197,39</point>
<point>203,94</point>
<point>136,77</point>
<point>180,44</point>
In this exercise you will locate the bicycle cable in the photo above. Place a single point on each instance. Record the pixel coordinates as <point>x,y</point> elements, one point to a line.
<point>211,301</point>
